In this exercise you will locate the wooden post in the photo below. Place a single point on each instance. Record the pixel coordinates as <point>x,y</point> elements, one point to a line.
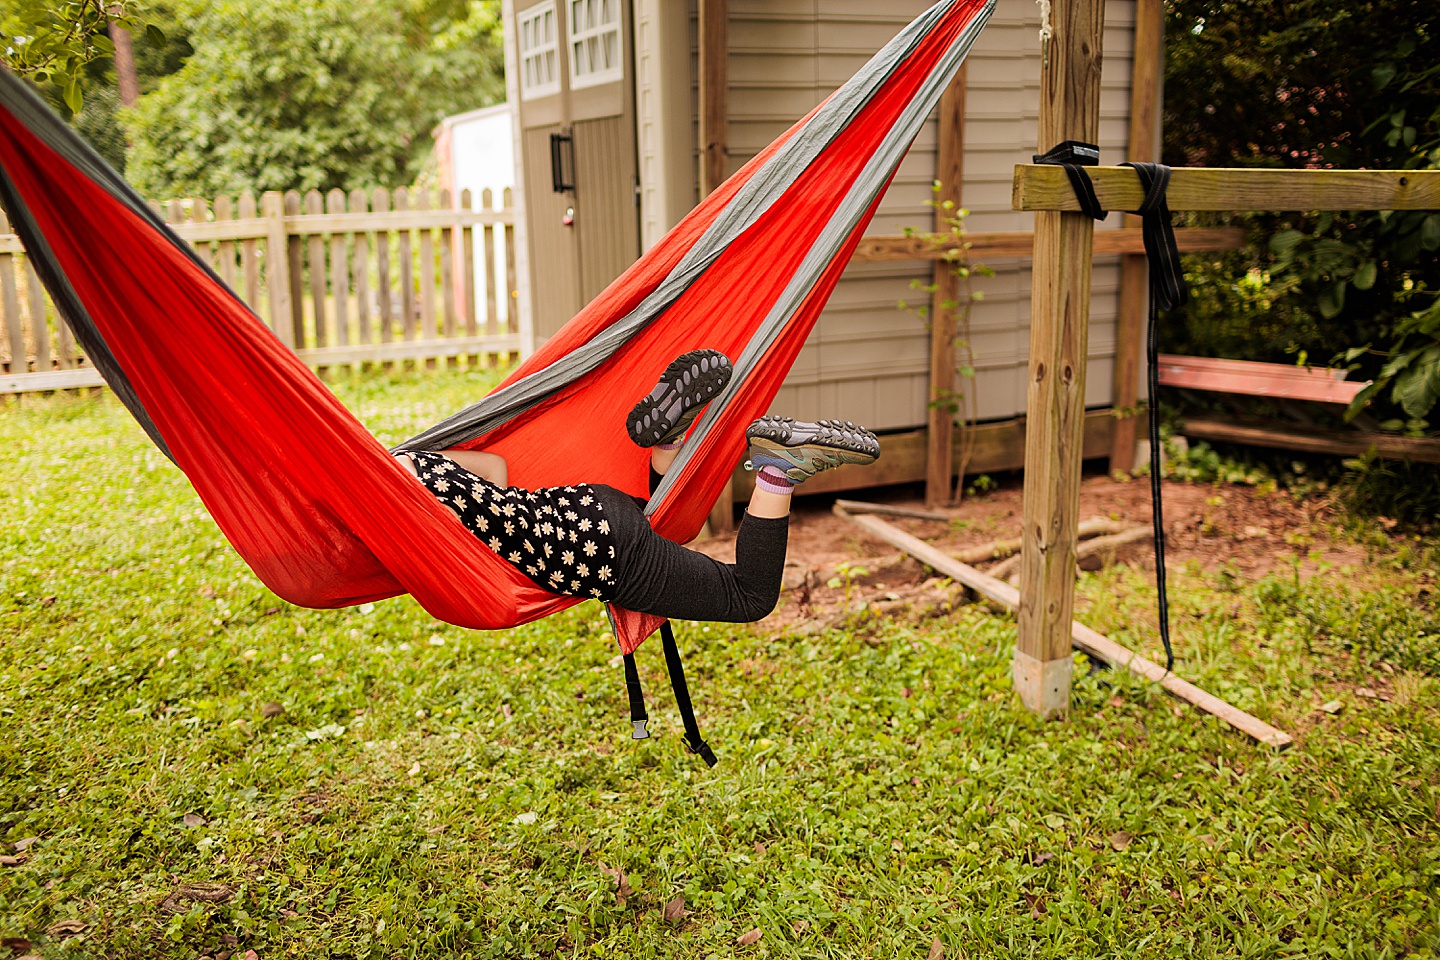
<point>339,270</point>
<point>1134,272</point>
<point>1055,418</point>
<point>949,173</point>
<point>360,270</point>
<point>249,259</point>
<point>295,263</point>
<point>277,267</point>
<point>714,150</point>
<point>714,94</point>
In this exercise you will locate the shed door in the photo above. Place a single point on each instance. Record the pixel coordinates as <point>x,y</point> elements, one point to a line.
<point>578,120</point>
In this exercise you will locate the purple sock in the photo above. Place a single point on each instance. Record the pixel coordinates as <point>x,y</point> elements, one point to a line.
<point>670,446</point>
<point>772,480</point>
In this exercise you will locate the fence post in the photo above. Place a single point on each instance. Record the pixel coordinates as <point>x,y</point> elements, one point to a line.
<point>277,267</point>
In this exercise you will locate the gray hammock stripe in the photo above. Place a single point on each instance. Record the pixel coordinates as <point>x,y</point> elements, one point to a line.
<point>71,310</point>
<point>847,216</point>
<point>37,117</point>
<point>750,202</point>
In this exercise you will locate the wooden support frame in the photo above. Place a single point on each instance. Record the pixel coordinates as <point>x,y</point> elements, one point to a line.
<point>713,69</point>
<point>1051,487</point>
<point>1236,189</point>
<point>1059,339</point>
<point>950,175</point>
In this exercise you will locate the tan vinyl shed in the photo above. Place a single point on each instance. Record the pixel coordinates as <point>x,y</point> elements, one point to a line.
<point>623,138</point>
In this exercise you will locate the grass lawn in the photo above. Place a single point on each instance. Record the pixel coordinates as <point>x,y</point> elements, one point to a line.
<point>424,791</point>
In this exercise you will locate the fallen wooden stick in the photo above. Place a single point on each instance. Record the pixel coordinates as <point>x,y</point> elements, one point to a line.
<point>857,506</point>
<point>1095,644</point>
<point>1004,548</point>
<point>1084,551</point>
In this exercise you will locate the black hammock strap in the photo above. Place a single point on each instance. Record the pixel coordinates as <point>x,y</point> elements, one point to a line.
<point>1072,155</point>
<point>693,740</point>
<point>1167,291</point>
<point>638,716</point>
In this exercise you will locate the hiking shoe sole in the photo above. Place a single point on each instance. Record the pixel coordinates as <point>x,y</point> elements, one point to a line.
<point>804,449</point>
<point>691,381</point>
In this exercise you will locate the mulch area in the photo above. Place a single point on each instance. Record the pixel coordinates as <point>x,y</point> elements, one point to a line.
<point>1248,530</point>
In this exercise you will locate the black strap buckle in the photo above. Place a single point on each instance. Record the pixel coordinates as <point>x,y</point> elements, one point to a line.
<point>1072,155</point>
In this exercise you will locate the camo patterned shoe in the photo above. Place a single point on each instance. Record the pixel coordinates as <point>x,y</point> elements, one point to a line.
<point>691,381</point>
<point>799,449</point>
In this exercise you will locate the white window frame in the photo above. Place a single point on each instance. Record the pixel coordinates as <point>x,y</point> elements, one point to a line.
<point>580,35</point>
<point>534,56</point>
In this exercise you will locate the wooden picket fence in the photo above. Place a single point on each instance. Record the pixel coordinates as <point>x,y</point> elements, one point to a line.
<point>345,279</point>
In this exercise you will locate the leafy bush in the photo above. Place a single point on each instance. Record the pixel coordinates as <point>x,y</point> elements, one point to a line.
<point>1313,84</point>
<point>332,93</point>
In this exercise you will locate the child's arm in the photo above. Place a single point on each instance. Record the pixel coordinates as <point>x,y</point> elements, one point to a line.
<point>486,466</point>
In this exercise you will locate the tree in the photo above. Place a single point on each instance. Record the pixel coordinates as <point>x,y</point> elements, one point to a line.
<point>55,40</point>
<point>313,95</point>
<point>1312,83</point>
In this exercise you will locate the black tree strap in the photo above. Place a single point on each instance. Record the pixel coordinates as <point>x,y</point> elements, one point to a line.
<point>1167,291</point>
<point>693,739</point>
<point>638,716</point>
<point>1072,155</point>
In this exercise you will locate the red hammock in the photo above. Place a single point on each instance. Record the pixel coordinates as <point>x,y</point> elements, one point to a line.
<point>312,502</point>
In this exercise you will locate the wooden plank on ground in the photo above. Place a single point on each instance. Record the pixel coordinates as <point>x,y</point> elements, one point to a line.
<point>1044,187</point>
<point>1081,637</point>
<point>1307,439</point>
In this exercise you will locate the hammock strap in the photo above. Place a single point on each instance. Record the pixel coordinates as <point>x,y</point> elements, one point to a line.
<point>693,740</point>
<point>1072,155</point>
<point>638,716</point>
<point>1167,291</point>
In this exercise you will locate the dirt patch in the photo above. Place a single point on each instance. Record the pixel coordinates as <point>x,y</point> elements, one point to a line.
<point>1249,531</point>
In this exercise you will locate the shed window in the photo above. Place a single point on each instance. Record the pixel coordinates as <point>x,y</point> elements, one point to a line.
<point>595,42</point>
<point>539,52</point>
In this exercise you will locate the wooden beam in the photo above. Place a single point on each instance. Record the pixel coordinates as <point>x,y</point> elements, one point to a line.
<point>1145,81</point>
<point>1082,637</point>
<point>1294,436</point>
<point>997,447</point>
<point>1040,187</point>
<point>714,109</point>
<point>1055,406</point>
<point>950,175</point>
<point>886,247</point>
<point>714,99</point>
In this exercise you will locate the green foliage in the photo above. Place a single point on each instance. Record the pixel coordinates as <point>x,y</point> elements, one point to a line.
<point>335,93</point>
<point>55,40</point>
<point>430,792</point>
<point>1315,84</point>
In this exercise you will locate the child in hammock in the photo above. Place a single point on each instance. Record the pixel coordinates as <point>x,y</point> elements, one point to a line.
<point>591,540</point>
